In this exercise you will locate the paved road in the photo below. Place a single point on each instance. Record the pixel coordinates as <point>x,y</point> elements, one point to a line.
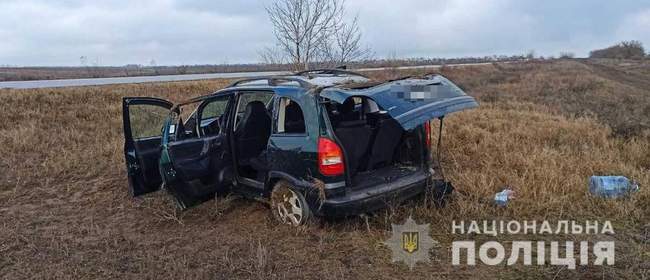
<point>171,78</point>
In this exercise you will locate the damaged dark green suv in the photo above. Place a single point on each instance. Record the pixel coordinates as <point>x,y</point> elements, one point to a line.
<point>316,143</point>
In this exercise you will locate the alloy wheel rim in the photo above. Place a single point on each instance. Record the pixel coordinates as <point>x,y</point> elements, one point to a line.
<point>289,208</point>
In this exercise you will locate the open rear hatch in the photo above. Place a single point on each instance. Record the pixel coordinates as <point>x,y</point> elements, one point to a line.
<point>412,102</point>
<point>385,130</point>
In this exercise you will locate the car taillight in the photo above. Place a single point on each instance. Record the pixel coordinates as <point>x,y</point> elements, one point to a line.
<point>427,131</point>
<point>330,158</point>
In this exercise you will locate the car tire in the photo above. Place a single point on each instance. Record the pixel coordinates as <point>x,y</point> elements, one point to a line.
<point>289,205</point>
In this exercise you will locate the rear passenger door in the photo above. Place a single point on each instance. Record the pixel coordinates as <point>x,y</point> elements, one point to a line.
<point>289,146</point>
<point>143,120</point>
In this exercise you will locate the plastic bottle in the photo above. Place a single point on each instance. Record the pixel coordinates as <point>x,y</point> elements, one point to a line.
<point>502,197</point>
<point>612,186</point>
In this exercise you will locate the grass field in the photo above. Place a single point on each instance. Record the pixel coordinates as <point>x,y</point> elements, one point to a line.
<point>542,128</point>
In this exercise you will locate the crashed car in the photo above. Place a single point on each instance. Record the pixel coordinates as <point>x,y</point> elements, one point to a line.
<point>320,143</point>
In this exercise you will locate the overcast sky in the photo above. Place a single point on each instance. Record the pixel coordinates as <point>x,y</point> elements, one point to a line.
<point>58,32</point>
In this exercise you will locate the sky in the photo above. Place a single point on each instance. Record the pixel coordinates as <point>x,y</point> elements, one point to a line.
<point>173,32</point>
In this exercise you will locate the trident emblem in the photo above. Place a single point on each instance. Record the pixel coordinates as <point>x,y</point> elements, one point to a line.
<point>410,241</point>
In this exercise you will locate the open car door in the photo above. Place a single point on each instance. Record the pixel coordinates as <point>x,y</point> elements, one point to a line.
<point>412,102</point>
<point>143,119</point>
<point>196,159</point>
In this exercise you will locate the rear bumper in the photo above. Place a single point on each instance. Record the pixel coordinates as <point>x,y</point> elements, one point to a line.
<point>377,197</point>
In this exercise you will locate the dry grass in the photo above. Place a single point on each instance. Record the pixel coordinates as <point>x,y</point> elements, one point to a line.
<point>541,128</point>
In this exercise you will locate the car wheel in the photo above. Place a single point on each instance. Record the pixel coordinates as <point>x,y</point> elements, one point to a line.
<point>289,206</point>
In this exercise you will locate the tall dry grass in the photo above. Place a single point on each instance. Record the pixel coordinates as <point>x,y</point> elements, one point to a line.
<point>66,213</point>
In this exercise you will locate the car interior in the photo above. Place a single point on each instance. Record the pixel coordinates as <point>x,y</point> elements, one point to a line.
<point>375,144</point>
<point>192,146</point>
<point>290,117</point>
<point>211,118</point>
<point>252,130</point>
<point>145,121</point>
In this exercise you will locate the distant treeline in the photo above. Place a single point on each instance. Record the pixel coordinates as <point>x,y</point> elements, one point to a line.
<point>622,50</point>
<point>76,72</point>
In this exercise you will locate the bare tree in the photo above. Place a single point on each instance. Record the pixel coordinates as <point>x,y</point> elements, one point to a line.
<point>83,60</point>
<point>303,26</point>
<point>154,66</point>
<point>272,55</point>
<point>393,62</point>
<point>182,69</point>
<point>345,46</point>
<point>530,54</point>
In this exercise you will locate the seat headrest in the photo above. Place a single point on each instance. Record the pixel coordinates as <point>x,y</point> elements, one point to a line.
<point>255,107</point>
<point>293,111</point>
<point>347,106</point>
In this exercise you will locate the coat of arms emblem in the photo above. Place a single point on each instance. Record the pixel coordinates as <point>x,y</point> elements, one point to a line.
<point>410,243</point>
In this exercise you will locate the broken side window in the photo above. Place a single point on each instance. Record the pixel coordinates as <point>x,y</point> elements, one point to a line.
<point>290,117</point>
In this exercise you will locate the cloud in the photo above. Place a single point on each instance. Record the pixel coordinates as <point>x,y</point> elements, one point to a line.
<point>453,28</point>
<point>125,32</point>
<point>636,26</point>
<point>40,32</point>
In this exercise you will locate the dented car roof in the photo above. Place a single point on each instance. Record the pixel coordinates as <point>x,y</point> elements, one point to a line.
<point>410,101</point>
